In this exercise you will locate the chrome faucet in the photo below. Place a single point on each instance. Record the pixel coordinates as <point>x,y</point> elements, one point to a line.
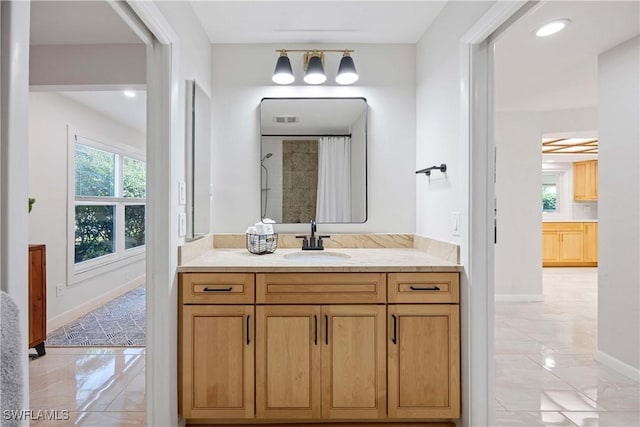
<point>311,243</point>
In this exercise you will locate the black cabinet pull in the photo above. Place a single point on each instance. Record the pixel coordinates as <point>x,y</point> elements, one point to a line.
<point>418,288</point>
<point>315,334</point>
<point>395,337</point>
<point>218,289</point>
<point>248,329</point>
<point>326,329</point>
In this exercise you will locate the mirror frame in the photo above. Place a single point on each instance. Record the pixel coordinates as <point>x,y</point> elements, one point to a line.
<point>366,149</point>
<point>198,139</point>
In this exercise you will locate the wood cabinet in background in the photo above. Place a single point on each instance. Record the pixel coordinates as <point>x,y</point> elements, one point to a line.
<point>585,181</point>
<point>569,244</point>
<point>37,297</point>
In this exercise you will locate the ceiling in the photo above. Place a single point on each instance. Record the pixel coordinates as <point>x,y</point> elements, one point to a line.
<point>129,111</point>
<point>316,21</point>
<point>560,71</point>
<point>532,74</point>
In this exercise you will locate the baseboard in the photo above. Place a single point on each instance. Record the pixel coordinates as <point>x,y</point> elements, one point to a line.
<point>79,311</point>
<point>519,298</point>
<point>618,365</point>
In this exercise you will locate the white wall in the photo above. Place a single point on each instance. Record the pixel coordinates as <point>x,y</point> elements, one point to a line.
<point>194,57</point>
<point>438,121</point>
<point>619,205</point>
<point>241,77</point>
<point>49,115</point>
<point>518,256</point>
<point>518,251</point>
<point>114,64</point>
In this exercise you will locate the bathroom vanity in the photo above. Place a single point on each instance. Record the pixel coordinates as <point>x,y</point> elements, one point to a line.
<point>347,335</point>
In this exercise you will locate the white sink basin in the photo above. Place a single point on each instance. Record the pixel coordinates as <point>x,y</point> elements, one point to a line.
<point>317,256</point>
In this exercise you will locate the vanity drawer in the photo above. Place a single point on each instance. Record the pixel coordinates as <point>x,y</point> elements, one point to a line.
<point>320,288</point>
<point>424,287</point>
<point>217,288</point>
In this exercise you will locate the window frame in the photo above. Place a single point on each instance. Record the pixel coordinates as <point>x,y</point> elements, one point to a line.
<point>77,272</point>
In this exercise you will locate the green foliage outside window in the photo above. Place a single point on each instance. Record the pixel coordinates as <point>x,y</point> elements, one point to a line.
<point>94,232</point>
<point>95,172</point>
<point>133,226</point>
<point>134,178</point>
<point>549,198</point>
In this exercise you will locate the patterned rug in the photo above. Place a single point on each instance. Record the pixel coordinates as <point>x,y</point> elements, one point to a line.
<point>120,322</point>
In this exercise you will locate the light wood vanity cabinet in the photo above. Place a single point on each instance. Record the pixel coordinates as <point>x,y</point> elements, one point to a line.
<point>325,344</point>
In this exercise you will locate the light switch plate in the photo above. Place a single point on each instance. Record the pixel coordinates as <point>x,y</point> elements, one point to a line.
<point>455,223</point>
<point>182,193</point>
<point>182,224</point>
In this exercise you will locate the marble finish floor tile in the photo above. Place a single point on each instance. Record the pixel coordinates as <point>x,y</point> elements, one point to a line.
<point>97,386</point>
<point>531,419</point>
<point>559,335</point>
<point>604,419</point>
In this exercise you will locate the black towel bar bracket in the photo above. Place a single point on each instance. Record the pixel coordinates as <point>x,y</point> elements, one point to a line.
<point>427,171</point>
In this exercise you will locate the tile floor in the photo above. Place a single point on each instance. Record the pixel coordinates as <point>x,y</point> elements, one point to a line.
<point>545,372</point>
<point>100,386</point>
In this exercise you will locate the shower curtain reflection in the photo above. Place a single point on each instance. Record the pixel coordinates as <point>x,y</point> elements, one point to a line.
<point>334,180</point>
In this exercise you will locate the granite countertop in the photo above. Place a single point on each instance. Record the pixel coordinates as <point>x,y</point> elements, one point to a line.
<point>359,260</point>
<point>569,220</point>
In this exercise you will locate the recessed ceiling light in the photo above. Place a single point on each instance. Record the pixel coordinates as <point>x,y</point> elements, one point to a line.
<point>552,27</point>
<point>129,94</point>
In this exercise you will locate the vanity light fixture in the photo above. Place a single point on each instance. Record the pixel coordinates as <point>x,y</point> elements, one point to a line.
<point>129,93</point>
<point>314,67</point>
<point>552,27</point>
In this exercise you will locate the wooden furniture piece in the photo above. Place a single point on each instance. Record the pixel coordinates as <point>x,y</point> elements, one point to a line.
<point>323,347</point>
<point>585,180</point>
<point>569,244</point>
<point>37,298</point>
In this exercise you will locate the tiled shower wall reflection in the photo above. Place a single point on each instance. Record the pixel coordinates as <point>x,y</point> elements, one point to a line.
<point>299,180</point>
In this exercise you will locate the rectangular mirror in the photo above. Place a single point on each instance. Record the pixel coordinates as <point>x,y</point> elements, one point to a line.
<point>198,164</point>
<point>313,160</point>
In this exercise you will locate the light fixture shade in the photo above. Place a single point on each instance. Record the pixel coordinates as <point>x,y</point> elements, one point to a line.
<point>283,74</point>
<point>347,73</point>
<point>315,71</point>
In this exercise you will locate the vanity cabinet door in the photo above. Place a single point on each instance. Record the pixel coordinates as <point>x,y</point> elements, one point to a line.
<point>354,362</point>
<point>424,361</point>
<point>217,361</point>
<point>288,362</point>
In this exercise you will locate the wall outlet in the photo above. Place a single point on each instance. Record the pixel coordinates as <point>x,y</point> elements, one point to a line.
<point>59,290</point>
<point>182,224</point>
<point>455,223</point>
<point>182,193</point>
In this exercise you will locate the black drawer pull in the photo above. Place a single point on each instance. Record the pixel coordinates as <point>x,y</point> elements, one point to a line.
<point>248,329</point>
<point>326,329</point>
<point>418,288</point>
<point>218,289</point>
<point>315,334</point>
<point>395,336</point>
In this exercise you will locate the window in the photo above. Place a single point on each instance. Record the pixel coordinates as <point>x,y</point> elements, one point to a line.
<point>109,204</point>
<point>549,193</point>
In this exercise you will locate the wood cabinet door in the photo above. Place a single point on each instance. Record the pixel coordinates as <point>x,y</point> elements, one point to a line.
<point>592,180</point>
<point>288,362</point>
<point>354,362</point>
<point>217,361</point>
<point>580,180</point>
<point>550,246</point>
<point>37,296</point>
<point>424,361</point>
<point>591,242</point>
<point>571,246</point>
